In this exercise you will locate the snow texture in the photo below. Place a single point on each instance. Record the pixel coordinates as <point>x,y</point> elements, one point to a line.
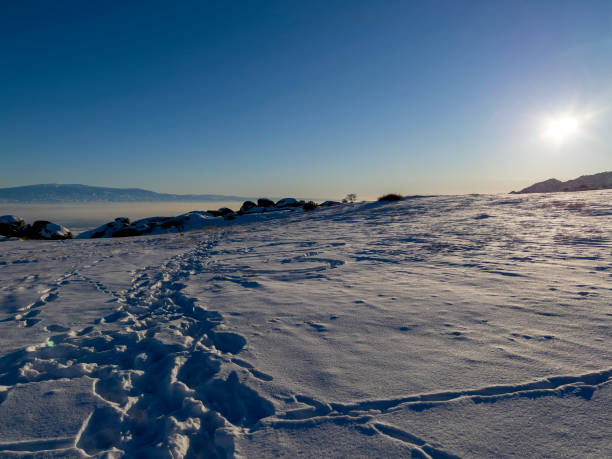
<point>454,326</point>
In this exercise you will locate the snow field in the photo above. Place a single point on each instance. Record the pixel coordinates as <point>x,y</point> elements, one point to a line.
<point>457,326</point>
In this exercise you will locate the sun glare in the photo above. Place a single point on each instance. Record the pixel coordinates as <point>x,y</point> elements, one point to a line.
<point>561,128</point>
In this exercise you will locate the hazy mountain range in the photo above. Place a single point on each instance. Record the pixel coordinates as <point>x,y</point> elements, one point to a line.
<point>56,193</point>
<point>600,181</point>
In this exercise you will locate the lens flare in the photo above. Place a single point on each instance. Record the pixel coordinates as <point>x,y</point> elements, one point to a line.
<point>561,128</point>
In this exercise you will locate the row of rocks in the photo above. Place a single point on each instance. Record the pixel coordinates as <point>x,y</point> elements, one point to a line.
<point>267,205</point>
<point>122,227</point>
<point>11,226</point>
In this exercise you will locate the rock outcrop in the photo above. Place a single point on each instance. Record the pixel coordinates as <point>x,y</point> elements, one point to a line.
<point>10,226</point>
<point>122,227</point>
<point>264,202</point>
<point>288,202</point>
<point>246,206</point>
<point>44,230</point>
<point>111,228</point>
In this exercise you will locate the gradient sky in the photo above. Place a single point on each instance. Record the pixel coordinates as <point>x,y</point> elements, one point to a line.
<point>308,98</point>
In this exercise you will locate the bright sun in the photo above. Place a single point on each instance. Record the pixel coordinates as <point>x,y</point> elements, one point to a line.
<point>561,128</point>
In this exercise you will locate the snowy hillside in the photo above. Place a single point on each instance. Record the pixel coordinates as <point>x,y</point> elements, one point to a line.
<point>455,326</point>
<point>600,181</point>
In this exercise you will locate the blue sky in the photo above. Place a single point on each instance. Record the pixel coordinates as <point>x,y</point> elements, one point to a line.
<point>304,98</point>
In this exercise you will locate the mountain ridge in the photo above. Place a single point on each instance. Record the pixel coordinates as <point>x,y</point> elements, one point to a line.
<point>64,193</point>
<point>599,181</point>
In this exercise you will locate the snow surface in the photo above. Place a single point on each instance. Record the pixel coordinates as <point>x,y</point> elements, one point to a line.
<point>455,326</point>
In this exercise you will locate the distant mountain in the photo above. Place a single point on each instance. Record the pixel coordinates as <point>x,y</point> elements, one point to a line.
<point>54,193</point>
<point>600,181</point>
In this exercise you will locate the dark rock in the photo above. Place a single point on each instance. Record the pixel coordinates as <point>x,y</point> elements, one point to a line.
<point>225,210</point>
<point>214,213</point>
<point>287,202</point>
<point>110,228</point>
<point>247,205</point>
<point>329,203</point>
<point>10,226</point>
<point>263,202</point>
<point>42,229</point>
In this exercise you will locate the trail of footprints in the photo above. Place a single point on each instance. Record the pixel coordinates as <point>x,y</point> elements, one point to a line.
<point>160,365</point>
<point>162,370</point>
<point>27,314</point>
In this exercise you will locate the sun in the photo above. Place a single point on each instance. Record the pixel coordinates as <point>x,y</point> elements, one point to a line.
<point>561,128</point>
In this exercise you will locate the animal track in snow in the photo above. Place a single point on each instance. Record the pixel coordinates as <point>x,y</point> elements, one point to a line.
<point>363,414</point>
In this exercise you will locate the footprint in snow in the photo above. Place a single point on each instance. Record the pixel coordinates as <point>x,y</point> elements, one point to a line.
<point>318,327</point>
<point>57,328</point>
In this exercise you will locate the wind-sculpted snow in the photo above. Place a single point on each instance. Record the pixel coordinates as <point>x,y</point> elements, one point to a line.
<point>455,326</point>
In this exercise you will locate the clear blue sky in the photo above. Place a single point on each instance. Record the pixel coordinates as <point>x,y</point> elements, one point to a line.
<point>308,98</point>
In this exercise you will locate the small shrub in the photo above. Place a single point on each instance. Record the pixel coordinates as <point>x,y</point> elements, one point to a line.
<point>391,197</point>
<point>351,197</point>
<point>310,205</point>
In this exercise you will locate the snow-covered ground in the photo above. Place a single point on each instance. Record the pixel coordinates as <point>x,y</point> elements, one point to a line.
<point>455,326</point>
